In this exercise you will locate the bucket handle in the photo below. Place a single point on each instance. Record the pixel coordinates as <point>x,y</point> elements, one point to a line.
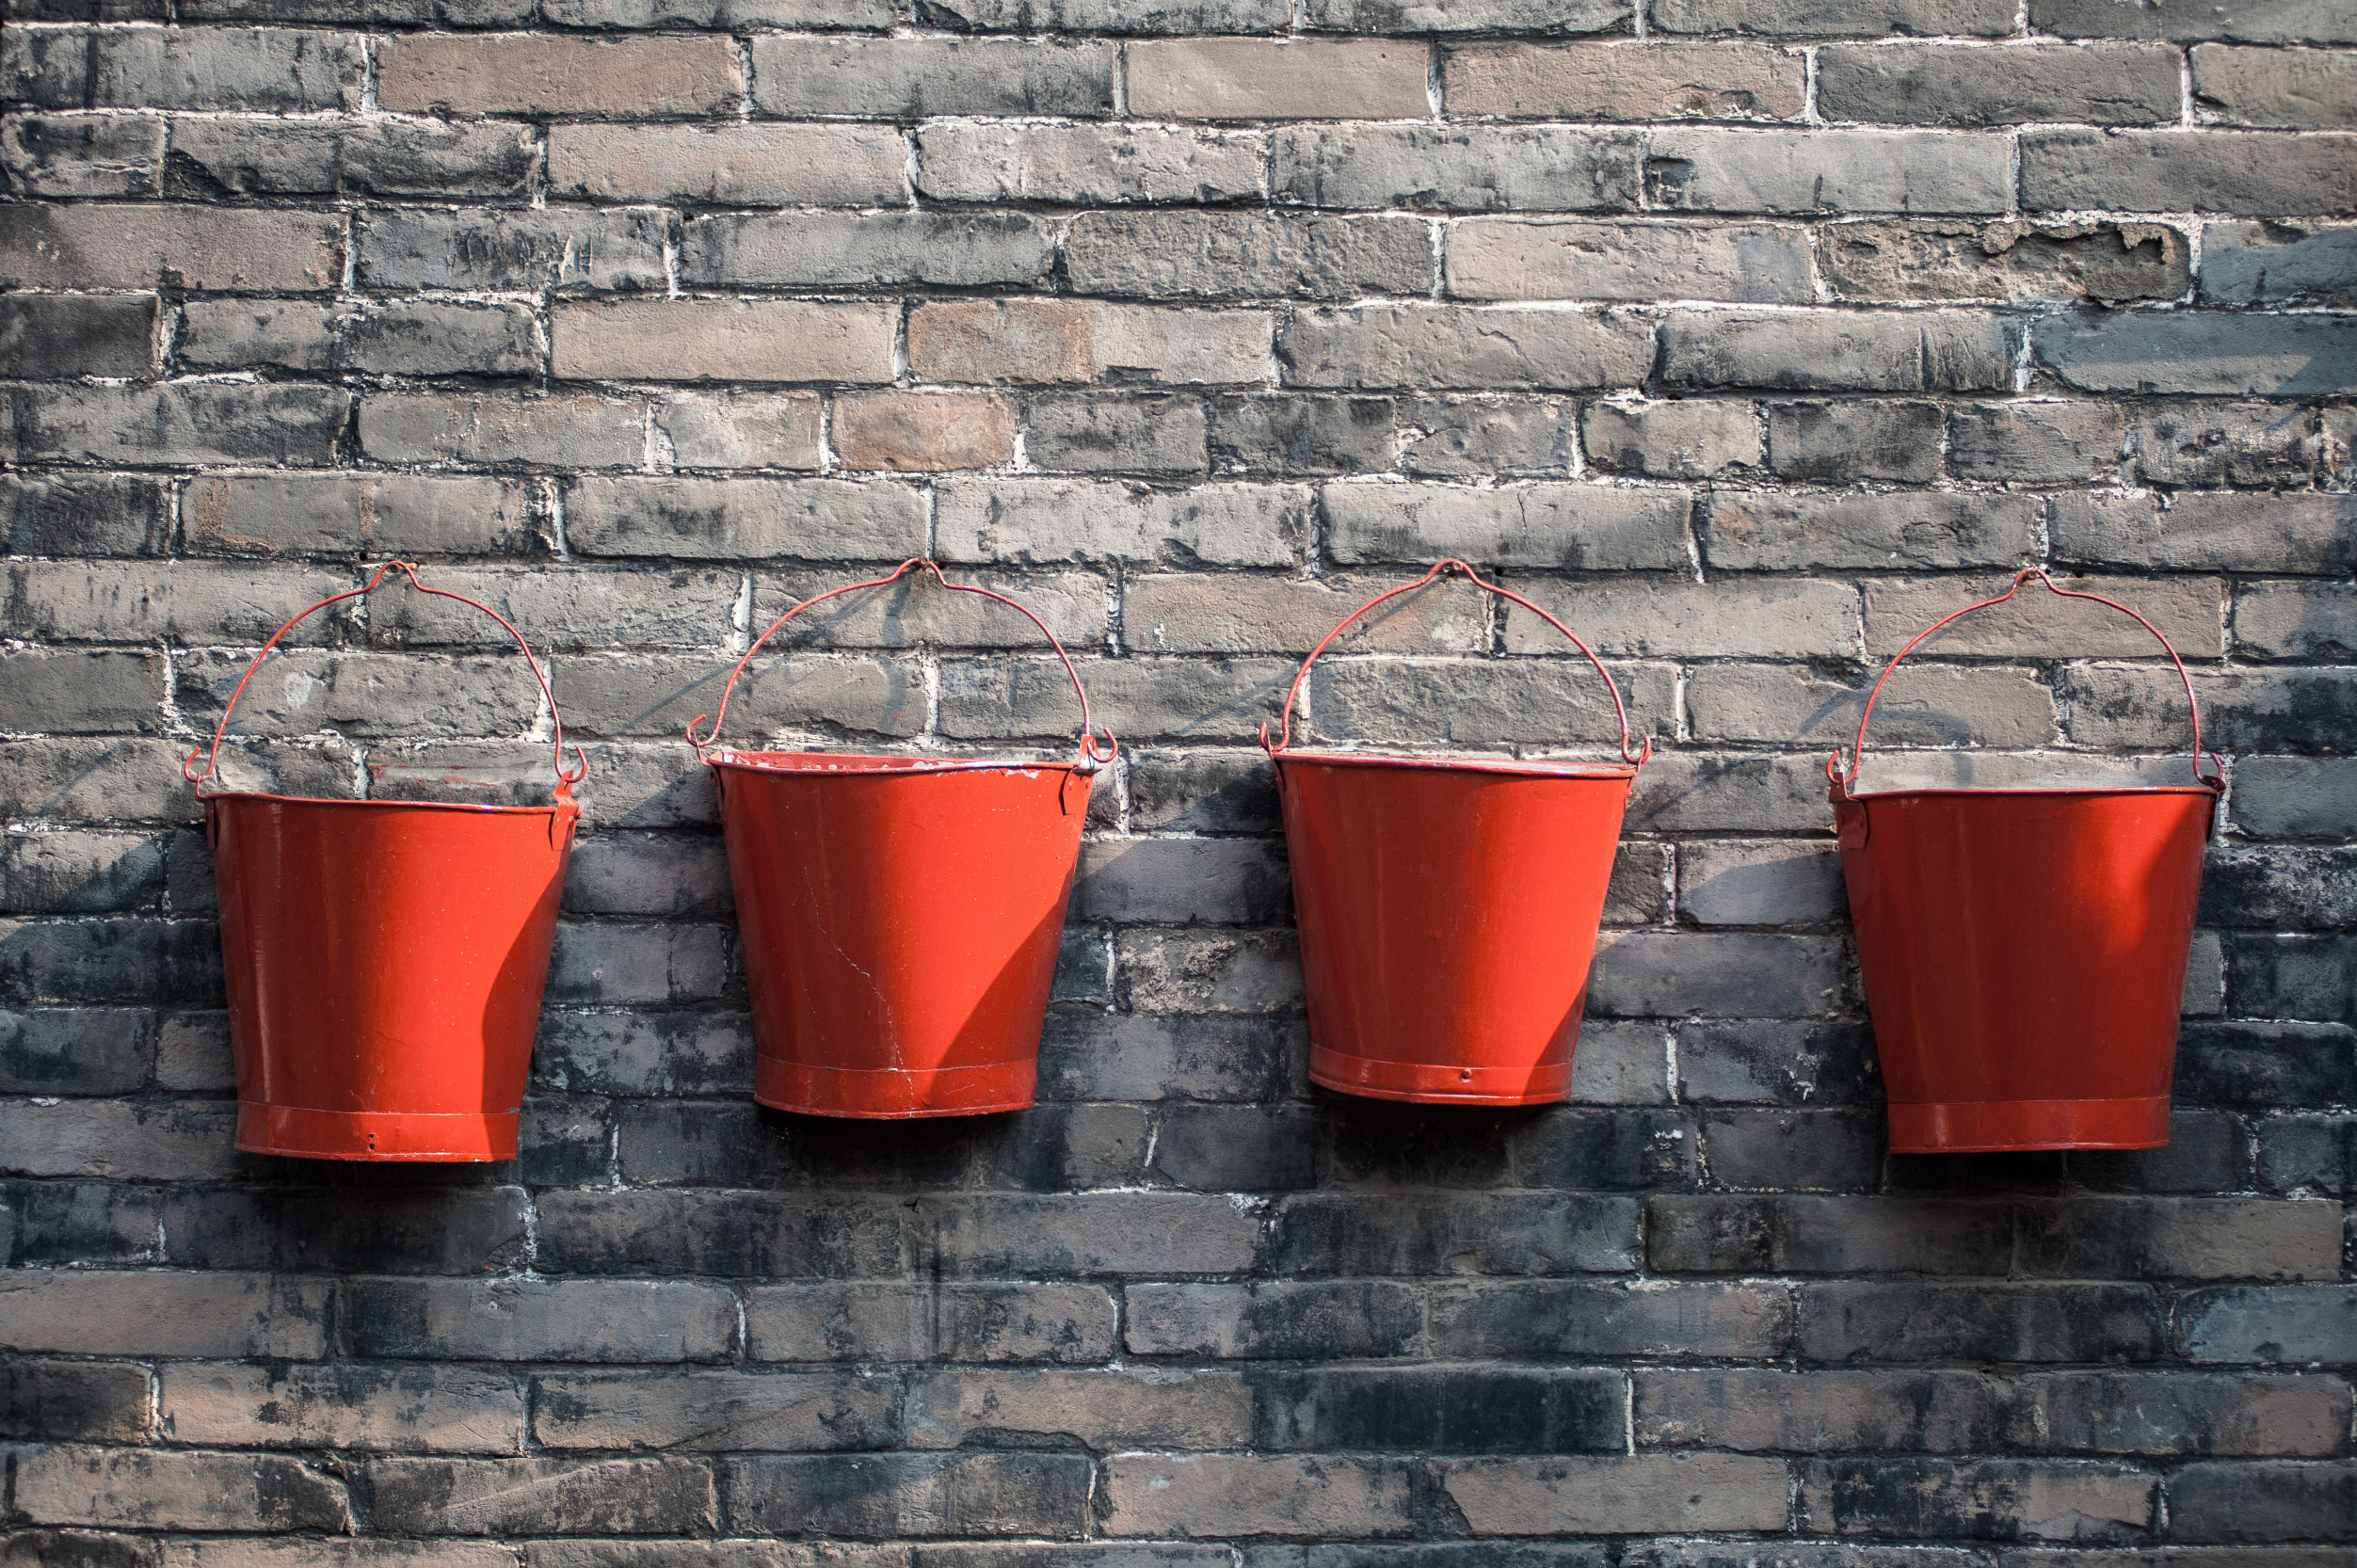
<point>1843,783</point>
<point>1091,756</point>
<point>1440,568</point>
<point>563,780</point>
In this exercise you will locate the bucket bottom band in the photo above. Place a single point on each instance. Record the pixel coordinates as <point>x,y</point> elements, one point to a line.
<point>1974,1127</point>
<point>1439,1082</point>
<point>305,1133</point>
<point>894,1092</point>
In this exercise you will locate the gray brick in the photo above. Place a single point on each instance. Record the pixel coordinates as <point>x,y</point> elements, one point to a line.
<point>67,1400</point>
<point>712,519</point>
<point>103,247</point>
<point>2261,1501</point>
<point>2296,797</point>
<point>2038,443</point>
<point>1923,706</point>
<point>1821,1410</point>
<point>68,693</point>
<point>741,429</point>
<point>573,1320</point>
<point>1178,881</point>
<point>1956,259</point>
<point>1815,18</point>
<point>1465,168</point>
<point>1135,1408</point>
<point>1477,436</point>
<point>1124,16</point>
<point>1763,529</point>
<point>179,421</point>
<point>236,334</point>
<point>2124,83</point>
<point>178,1490</point>
<point>490,249</point>
<point>1777,882</point>
<point>1229,614</point>
<point>2213,353</point>
<point>715,1411</point>
<point>1654,1317</point>
<point>1843,442</point>
<point>2269,710</point>
<point>152,1312</point>
<point>1041,521</point>
<point>2203,171</point>
<point>55,336</point>
<point>1396,346</point>
<point>1619,1495</point>
<point>1685,620</point>
<point>2244,21</point>
<point>1999,1500</point>
<point>1825,351</point>
<point>201,68</point>
<point>1674,439</point>
<point>2178,1238</point>
<point>1728,975</point>
<point>750,166</point>
<point>73,1050</point>
<point>1101,434</point>
<point>1280,1319</point>
<point>1300,434</point>
<point>1085,1057</point>
<point>1242,255</point>
<point>1086,165</point>
<point>569,431</point>
<point>1090,1233</point>
<point>1443,1233</point>
<point>540,1496</point>
<point>2303,89</point>
<point>278,157</point>
<point>2214,530</point>
<point>541,73</point>
<point>1580,526</point>
<point>719,14</point>
<point>82,154</point>
<point>919,78</point>
<point>400,1409</point>
<point>898,1496</point>
<point>1429,16</point>
<point>745,340</point>
<point>1041,339</point>
<point>2041,626</point>
<point>955,1323</point>
<point>1297,79</point>
<point>2215,444</point>
<point>1495,259</point>
<point>863,250</point>
<point>1878,1321</point>
<point>1142,700</point>
<point>2251,264</point>
<point>2288,1324</point>
<point>1825,171</point>
<point>1625,81</point>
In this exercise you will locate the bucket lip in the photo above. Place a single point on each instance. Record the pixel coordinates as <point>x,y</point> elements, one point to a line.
<point>480,807</point>
<point>872,764</point>
<point>2203,790</point>
<point>1512,766</point>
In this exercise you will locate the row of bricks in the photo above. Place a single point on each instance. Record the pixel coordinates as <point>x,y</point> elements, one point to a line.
<point>80,67</point>
<point>1477,1408</point>
<point>1068,1497</point>
<point>151,1312</point>
<point>2253,21</point>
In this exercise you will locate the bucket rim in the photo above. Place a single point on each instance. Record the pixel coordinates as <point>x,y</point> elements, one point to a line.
<point>2201,791</point>
<point>874,764</point>
<point>209,799</point>
<point>1510,766</point>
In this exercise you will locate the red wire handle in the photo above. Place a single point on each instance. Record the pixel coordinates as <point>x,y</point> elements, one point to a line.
<point>1285,736</point>
<point>1090,757</point>
<point>1843,782</point>
<point>563,780</point>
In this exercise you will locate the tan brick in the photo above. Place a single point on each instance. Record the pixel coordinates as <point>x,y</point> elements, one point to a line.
<point>1041,339</point>
<point>1624,81</point>
<point>187,247</point>
<point>1198,612</point>
<point>923,432</point>
<point>754,166</point>
<point>1618,1496</point>
<point>167,1490</point>
<point>726,340</point>
<point>534,73</point>
<point>1220,1495</point>
<point>1251,79</point>
<point>163,1314</point>
<point>1508,259</point>
<point>413,1408</point>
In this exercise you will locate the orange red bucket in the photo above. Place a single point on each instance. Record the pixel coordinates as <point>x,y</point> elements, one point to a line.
<point>1448,907</point>
<point>900,915</point>
<point>2024,949</point>
<point>385,959</point>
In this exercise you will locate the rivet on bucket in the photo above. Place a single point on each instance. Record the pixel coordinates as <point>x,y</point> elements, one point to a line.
<point>385,959</point>
<point>2024,951</point>
<point>1448,907</point>
<point>901,916</point>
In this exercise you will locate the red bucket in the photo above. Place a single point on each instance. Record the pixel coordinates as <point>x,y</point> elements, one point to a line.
<point>1448,907</point>
<point>900,915</point>
<point>2024,951</point>
<point>385,959</point>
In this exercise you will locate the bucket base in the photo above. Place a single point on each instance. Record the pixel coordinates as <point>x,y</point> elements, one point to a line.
<point>1979,1127</point>
<point>1438,1083</point>
<point>303,1134</point>
<point>896,1094</point>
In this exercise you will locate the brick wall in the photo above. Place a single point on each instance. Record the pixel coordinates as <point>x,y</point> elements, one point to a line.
<point>1750,335</point>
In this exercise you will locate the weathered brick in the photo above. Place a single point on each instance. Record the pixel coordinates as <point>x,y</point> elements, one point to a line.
<point>73,1050</point>
<point>2150,1413</point>
<point>2044,625</point>
<point>401,1409</point>
<point>335,516</point>
<point>75,1399</point>
<point>1248,79</point>
<point>2118,707</point>
<point>53,336</point>
<point>1808,1235</point>
<point>1578,527</point>
<point>1281,1320</point>
<point>2301,89</point>
<point>743,340</point>
<point>542,1319</point>
<point>1953,259</point>
<point>1184,612</point>
<point>1044,520</point>
<point>2212,172</point>
<point>1624,81</point>
<point>493,249</point>
<point>1394,346</point>
<point>2126,84</point>
<point>2037,443</point>
<point>1620,1494</point>
<point>281,157</point>
<point>1495,259</point>
<point>1161,1495</point>
<point>1815,18</point>
<point>917,78</point>
<point>2209,530</point>
<point>2263,1501</point>
<point>1468,16</point>
<point>1140,699</point>
<point>1991,1499</point>
<point>863,250</point>
<point>1086,164</point>
<point>955,1323</point>
<point>741,429</point>
<point>2215,444</point>
<point>1923,706</point>
<point>1350,1233</point>
<point>2180,1237</point>
<point>180,422</point>
<point>720,1412</point>
<point>152,1312</point>
<point>2202,352</point>
<point>731,520</point>
<point>540,73</point>
<point>2245,20</point>
<point>541,1496</point>
<point>1771,883</point>
<point>178,1490</point>
<point>1772,530</point>
<point>2266,1064</point>
<point>117,959</point>
<point>444,427</point>
<point>1147,434</point>
<point>1083,341</point>
<point>79,872</point>
<point>1125,16</point>
<point>82,154</point>
<point>750,166</point>
<point>314,1229</point>
<point>1482,703</point>
<point>198,68</point>
<point>1177,881</point>
<point>2297,621</point>
<point>2296,798</point>
<point>126,247</point>
<point>1889,1321</point>
<point>1085,1057</point>
<point>1246,255</point>
<point>1824,351</point>
<point>1781,1061</point>
<point>906,1496</point>
<point>1676,439</point>
<point>2282,1325</point>
<point>1092,1233</point>
<point>1461,167</point>
<point>1135,1408</point>
<point>83,515</point>
<point>1820,1411</point>
<point>1720,1321</point>
<point>1481,436</point>
<point>1825,171</point>
<point>2250,264</point>
<point>1460,1409</point>
<point>1838,443</point>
